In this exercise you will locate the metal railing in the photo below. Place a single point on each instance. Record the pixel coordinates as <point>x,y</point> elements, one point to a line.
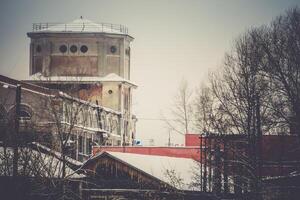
<point>79,27</point>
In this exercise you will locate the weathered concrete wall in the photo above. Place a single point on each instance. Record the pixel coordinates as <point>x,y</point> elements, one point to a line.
<point>73,66</point>
<point>105,54</point>
<point>111,95</point>
<point>92,93</point>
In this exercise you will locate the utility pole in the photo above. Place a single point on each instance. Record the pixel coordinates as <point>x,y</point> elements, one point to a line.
<point>259,146</point>
<point>201,160</point>
<point>169,139</point>
<point>205,165</point>
<point>16,131</point>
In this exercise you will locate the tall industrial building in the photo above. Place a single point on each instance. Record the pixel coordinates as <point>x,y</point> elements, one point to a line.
<point>87,60</point>
<point>83,65</point>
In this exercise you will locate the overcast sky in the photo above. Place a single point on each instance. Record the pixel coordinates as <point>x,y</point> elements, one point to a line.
<point>173,40</point>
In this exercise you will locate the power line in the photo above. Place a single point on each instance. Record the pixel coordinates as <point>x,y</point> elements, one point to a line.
<point>160,119</point>
<point>154,119</point>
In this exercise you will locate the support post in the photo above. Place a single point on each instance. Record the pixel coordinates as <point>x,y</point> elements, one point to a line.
<point>201,166</point>
<point>16,132</point>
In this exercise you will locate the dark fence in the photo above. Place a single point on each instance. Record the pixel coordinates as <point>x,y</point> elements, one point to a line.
<point>29,188</point>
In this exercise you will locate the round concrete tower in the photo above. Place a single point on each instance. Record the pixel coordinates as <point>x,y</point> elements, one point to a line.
<point>87,60</point>
<point>80,48</point>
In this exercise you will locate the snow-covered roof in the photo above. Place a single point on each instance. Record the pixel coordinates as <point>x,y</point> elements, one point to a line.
<point>80,26</point>
<point>290,175</point>
<point>57,154</point>
<point>158,166</point>
<point>112,77</point>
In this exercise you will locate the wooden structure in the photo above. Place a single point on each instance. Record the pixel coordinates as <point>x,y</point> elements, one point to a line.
<point>109,171</point>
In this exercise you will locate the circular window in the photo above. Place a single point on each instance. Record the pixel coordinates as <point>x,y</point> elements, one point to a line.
<point>73,48</point>
<point>113,49</point>
<point>38,48</point>
<point>84,49</point>
<point>63,48</point>
<point>110,91</point>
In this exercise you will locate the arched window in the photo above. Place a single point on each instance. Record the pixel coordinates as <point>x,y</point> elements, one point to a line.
<point>115,126</point>
<point>25,112</point>
<point>103,121</point>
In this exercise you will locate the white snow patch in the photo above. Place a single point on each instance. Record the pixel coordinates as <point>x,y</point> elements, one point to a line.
<point>112,77</point>
<point>158,165</point>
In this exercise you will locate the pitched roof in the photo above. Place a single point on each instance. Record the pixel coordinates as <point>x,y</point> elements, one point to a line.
<point>158,166</point>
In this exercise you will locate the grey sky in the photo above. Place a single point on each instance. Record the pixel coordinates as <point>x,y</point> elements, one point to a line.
<point>173,39</point>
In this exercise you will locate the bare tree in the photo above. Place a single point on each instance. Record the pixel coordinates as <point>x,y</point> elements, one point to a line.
<point>236,102</point>
<point>174,178</point>
<point>281,66</point>
<point>181,110</point>
<point>208,114</point>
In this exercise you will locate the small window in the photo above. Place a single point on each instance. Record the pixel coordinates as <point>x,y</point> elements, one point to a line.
<point>80,144</point>
<point>89,145</point>
<point>73,49</point>
<point>63,48</point>
<point>83,48</point>
<point>24,115</point>
<point>110,91</point>
<point>113,49</point>
<point>38,49</point>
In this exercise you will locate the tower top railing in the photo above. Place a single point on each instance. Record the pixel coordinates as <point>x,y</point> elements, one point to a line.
<point>80,27</point>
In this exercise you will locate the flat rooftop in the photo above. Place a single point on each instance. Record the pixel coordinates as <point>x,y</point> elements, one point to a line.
<point>79,26</point>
